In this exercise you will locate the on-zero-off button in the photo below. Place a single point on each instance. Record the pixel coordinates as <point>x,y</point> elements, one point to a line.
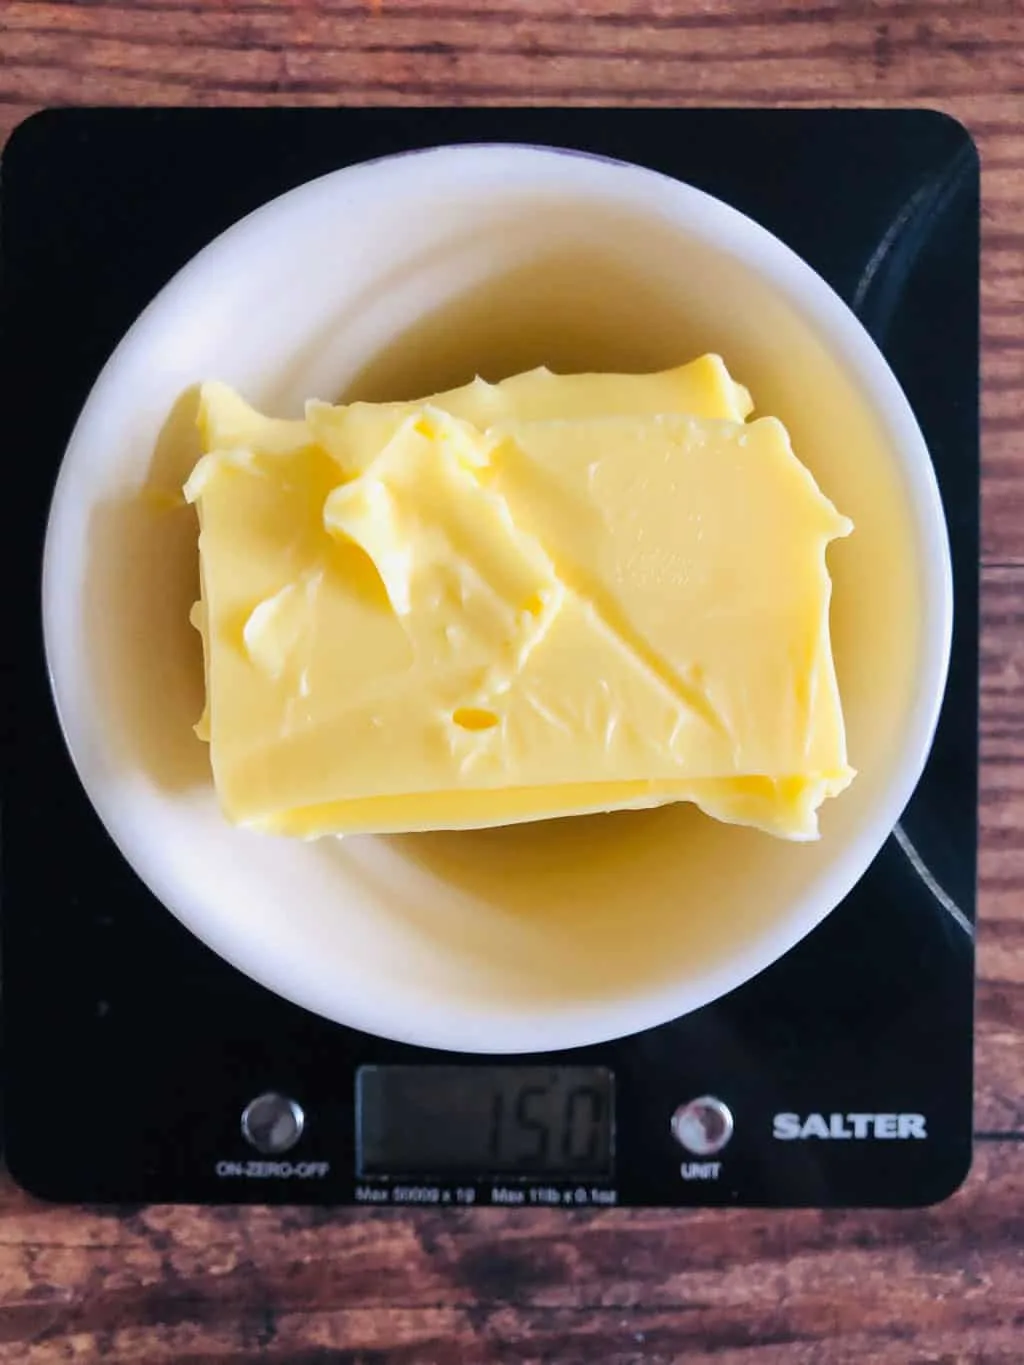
<point>272,1123</point>
<point>703,1126</point>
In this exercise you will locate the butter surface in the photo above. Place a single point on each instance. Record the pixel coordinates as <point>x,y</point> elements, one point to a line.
<point>703,545</point>
<point>354,434</point>
<point>413,622</point>
<point>704,388</point>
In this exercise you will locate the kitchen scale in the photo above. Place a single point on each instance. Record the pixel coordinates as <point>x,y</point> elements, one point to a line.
<point>140,1067</point>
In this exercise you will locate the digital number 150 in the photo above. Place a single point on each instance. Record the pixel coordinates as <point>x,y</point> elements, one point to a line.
<point>547,1126</point>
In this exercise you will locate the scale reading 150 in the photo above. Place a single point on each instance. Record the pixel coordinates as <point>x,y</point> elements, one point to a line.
<point>507,1121</point>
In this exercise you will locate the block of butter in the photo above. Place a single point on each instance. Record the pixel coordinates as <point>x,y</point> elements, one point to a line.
<point>499,604</point>
<point>354,433</point>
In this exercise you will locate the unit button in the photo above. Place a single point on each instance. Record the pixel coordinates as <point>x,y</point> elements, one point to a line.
<point>272,1123</point>
<point>703,1126</point>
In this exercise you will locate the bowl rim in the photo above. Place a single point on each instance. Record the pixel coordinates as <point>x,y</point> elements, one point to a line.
<point>727,230</point>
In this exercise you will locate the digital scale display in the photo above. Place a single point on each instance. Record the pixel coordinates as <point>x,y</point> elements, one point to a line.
<point>481,1121</point>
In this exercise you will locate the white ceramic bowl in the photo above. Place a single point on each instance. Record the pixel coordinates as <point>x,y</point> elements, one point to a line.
<point>395,278</point>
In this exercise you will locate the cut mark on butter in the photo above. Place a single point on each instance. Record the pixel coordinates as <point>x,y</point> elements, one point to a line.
<point>690,695</point>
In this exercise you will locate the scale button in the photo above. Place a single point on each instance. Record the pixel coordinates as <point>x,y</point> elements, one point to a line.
<point>703,1126</point>
<point>272,1123</point>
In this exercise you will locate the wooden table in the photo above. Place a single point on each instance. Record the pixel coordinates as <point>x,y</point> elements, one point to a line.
<point>189,1285</point>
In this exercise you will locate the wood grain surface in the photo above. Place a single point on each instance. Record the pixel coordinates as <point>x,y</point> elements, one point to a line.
<point>192,1286</point>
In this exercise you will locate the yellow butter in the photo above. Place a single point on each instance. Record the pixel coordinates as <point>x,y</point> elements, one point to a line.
<point>787,809</point>
<point>354,434</point>
<point>471,671</point>
<point>704,388</point>
<point>702,544</point>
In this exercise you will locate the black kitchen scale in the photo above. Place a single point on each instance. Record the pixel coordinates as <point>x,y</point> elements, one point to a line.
<point>840,1076</point>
